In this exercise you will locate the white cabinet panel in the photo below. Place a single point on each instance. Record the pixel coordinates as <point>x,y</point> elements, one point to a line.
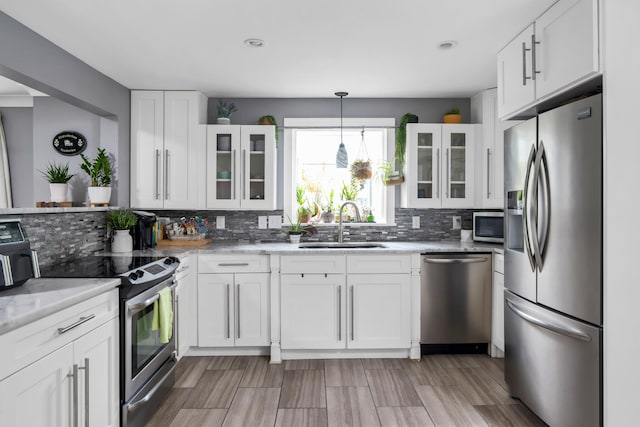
<point>252,309</point>
<point>305,264</point>
<point>515,86</point>
<point>233,264</point>
<point>313,311</point>
<point>497,316</point>
<point>185,320</point>
<point>386,264</point>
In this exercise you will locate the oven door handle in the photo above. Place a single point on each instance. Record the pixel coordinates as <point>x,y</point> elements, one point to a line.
<point>134,308</point>
<point>147,397</point>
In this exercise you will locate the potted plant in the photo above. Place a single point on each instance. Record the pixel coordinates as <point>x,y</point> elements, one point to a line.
<point>58,177</point>
<point>328,216</point>
<point>296,230</point>
<point>401,138</point>
<point>99,171</point>
<point>388,176</point>
<point>452,116</point>
<point>121,221</point>
<point>361,169</point>
<point>270,120</point>
<point>225,111</point>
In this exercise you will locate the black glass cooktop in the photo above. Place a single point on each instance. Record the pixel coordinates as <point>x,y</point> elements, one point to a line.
<point>96,266</point>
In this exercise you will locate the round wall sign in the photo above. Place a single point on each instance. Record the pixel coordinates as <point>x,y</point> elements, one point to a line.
<point>69,143</point>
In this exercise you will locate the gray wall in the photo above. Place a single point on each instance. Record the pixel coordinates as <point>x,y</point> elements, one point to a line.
<point>50,117</point>
<point>18,129</point>
<point>28,58</point>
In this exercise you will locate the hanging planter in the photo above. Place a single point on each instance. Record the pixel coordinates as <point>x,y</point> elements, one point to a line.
<point>361,167</point>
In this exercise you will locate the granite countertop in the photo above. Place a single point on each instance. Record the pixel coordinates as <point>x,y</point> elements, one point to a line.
<point>284,248</point>
<point>40,297</point>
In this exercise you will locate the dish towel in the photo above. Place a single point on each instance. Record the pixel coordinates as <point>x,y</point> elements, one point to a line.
<point>163,315</point>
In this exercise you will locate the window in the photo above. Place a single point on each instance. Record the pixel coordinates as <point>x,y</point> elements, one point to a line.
<point>310,154</point>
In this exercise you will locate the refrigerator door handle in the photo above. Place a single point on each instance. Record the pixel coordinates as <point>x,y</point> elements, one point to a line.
<point>525,209</point>
<point>553,327</point>
<point>544,218</point>
<point>535,237</point>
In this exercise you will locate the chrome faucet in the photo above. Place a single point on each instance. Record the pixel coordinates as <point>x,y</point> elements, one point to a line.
<point>358,218</point>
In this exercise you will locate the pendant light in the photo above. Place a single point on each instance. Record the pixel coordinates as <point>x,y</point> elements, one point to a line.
<point>342,158</point>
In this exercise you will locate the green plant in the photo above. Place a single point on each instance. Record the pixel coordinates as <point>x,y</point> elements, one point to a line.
<point>99,169</point>
<point>329,207</point>
<point>121,219</point>
<point>298,228</point>
<point>401,138</point>
<point>57,174</point>
<point>224,109</point>
<point>270,120</point>
<point>350,191</point>
<point>385,170</point>
<point>452,111</point>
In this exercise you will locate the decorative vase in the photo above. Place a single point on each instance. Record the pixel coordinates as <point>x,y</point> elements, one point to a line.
<point>328,217</point>
<point>295,238</point>
<point>58,192</point>
<point>452,118</point>
<point>99,195</point>
<point>121,241</point>
<point>223,120</point>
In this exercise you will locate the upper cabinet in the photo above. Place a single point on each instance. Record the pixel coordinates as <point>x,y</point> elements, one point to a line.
<point>557,52</point>
<point>241,167</point>
<point>166,133</point>
<point>439,166</point>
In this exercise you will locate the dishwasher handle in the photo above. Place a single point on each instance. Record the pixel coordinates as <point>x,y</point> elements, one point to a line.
<point>455,260</point>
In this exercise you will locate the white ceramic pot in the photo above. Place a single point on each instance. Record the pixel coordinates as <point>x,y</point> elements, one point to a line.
<point>58,192</point>
<point>121,241</point>
<point>223,120</point>
<point>294,238</point>
<point>99,194</point>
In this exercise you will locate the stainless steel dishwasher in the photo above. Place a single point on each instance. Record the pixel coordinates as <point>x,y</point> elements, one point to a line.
<point>455,301</point>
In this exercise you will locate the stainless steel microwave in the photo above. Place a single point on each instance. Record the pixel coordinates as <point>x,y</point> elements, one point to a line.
<point>488,227</point>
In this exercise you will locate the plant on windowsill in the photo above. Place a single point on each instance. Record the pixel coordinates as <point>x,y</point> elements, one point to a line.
<point>99,171</point>
<point>296,230</point>
<point>452,116</point>
<point>225,111</point>
<point>401,138</point>
<point>58,177</point>
<point>328,215</point>
<point>121,221</point>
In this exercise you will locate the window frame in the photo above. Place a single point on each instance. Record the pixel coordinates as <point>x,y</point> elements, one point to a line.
<point>290,147</point>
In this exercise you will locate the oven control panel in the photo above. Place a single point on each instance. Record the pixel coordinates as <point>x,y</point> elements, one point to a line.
<point>160,269</point>
<point>10,232</point>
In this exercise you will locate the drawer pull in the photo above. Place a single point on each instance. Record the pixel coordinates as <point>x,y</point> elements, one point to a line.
<point>76,324</point>
<point>234,264</point>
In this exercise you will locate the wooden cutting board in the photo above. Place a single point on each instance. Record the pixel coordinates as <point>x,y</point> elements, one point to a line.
<point>167,242</point>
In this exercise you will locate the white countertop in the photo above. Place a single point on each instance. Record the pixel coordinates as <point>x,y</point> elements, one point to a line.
<point>40,297</point>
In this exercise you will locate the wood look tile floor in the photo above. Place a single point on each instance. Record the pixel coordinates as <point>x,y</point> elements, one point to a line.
<point>442,390</point>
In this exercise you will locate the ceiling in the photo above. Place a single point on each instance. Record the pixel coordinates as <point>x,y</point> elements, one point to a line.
<point>370,48</point>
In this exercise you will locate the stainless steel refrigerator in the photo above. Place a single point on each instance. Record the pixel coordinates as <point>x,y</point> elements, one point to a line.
<point>553,263</point>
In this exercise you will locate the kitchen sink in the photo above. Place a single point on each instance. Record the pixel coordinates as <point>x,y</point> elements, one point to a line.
<point>338,245</point>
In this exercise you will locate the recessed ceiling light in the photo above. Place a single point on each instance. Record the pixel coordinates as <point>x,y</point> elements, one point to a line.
<point>254,42</point>
<point>447,44</point>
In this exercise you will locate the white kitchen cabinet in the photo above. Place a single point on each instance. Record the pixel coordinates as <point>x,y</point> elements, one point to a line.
<point>233,306</point>
<point>489,178</point>
<point>440,166</point>
<point>497,316</point>
<point>241,167</point>
<point>379,311</point>
<point>313,311</point>
<point>184,297</point>
<point>166,135</point>
<point>83,362</point>
<point>558,51</point>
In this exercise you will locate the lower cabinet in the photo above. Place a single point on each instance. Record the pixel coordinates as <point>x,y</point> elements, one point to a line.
<point>337,311</point>
<point>184,298</point>
<point>76,384</point>
<point>233,309</point>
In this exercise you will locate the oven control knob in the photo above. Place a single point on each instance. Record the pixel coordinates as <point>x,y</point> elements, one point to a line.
<point>140,273</point>
<point>133,275</point>
<point>168,261</point>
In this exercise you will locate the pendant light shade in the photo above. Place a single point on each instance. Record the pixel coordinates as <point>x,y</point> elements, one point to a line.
<point>342,158</point>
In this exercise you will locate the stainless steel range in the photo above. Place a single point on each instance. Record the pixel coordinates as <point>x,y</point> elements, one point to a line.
<point>147,358</point>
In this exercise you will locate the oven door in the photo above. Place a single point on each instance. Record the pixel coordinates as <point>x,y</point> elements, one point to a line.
<point>143,351</point>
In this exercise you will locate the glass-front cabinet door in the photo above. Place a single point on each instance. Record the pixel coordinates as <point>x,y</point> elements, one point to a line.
<point>439,166</point>
<point>240,167</point>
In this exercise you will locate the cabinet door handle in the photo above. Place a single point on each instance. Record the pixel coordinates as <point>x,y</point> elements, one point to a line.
<point>352,317</point>
<point>234,175</point>
<point>157,174</point>
<point>533,57</point>
<point>245,179</point>
<point>446,191</point>
<point>166,174</point>
<point>488,172</point>
<point>438,174</point>
<point>76,324</point>
<point>176,321</point>
<point>339,313</point>
<point>233,264</point>
<point>238,310</point>
<point>226,316</point>
<point>86,390</point>
<point>74,375</point>
<point>524,64</point>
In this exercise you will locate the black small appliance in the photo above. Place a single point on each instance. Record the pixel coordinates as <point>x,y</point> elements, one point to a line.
<point>18,263</point>
<point>143,237</point>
